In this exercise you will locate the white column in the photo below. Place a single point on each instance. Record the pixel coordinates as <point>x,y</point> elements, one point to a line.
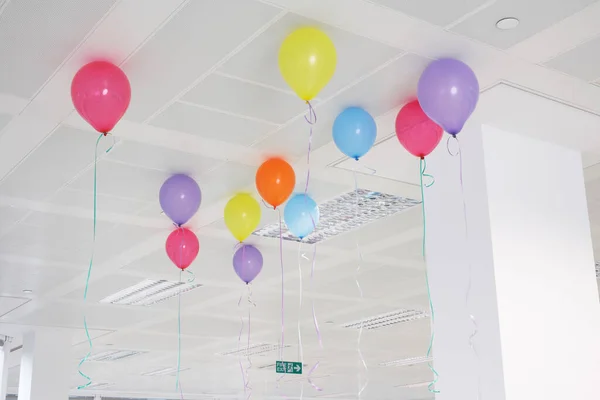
<point>4,352</point>
<point>45,363</point>
<point>534,294</point>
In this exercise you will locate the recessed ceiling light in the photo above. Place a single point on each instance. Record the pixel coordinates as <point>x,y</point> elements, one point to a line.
<point>27,291</point>
<point>506,24</point>
<point>406,362</point>
<point>113,355</point>
<point>383,320</point>
<point>149,292</point>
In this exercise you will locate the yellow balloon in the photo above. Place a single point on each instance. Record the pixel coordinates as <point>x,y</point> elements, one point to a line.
<point>242,215</point>
<point>307,60</point>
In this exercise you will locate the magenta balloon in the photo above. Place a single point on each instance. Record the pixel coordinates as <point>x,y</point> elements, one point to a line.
<point>180,198</point>
<point>247,262</point>
<point>448,92</point>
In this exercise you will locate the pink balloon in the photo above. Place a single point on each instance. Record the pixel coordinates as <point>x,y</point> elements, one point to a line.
<point>101,94</point>
<point>416,132</point>
<point>182,247</point>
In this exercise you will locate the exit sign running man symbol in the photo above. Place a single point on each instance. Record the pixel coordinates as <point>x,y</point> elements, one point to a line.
<point>288,367</point>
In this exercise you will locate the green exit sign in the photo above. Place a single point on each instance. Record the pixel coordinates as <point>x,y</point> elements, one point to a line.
<point>288,367</point>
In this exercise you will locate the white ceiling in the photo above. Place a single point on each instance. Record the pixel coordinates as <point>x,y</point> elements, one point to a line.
<point>208,101</point>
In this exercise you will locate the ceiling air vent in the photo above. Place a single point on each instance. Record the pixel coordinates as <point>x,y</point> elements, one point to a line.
<point>383,320</point>
<point>406,362</point>
<point>149,292</point>
<point>113,355</point>
<point>255,349</point>
<point>339,215</point>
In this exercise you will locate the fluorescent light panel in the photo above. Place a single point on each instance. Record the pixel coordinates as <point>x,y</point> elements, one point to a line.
<point>406,362</point>
<point>414,385</point>
<point>98,385</point>
<point>114,355</point>
<point>253,350</point>
<point>149,292</point>
<point>164,371</point>
<point>383,320</point>
<point>339,215</point>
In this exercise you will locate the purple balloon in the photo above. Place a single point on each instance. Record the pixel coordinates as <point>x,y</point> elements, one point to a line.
<point>448,92</point>
<point>180,198</point>
<point>247,262</point>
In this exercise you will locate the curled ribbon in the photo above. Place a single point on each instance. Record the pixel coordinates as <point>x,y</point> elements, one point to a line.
<point>472,318</point>
<point>89,273</point>
<point>311,119</point>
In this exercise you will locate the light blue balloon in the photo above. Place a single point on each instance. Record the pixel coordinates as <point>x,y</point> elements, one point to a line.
<point>301,215</point>
<point>354,132</point>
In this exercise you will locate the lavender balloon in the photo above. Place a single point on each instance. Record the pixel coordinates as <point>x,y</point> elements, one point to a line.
<point>448,92</point>
<point>180,198</point>
<point>247,262</point>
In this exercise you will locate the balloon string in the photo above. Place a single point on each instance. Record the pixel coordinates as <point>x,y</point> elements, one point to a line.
<point>191,279</point>
<point>282,287</point>
<point>475,330</point>
<point>311,119</point>
<point>301,289</point>
<point>314,315</point>
<point>178,334</point>
<point>240,346</point>
<point>248,387</point>
<point>422,168</point>
<point>361,388</point>
<point>89,273</point>
<point>300,348</point>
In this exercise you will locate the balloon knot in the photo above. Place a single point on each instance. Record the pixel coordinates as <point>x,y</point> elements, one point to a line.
<point>356,158</point>
<point>453,135</point>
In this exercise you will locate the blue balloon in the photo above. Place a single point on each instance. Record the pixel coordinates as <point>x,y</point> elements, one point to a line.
<point>301,215</point>
<point>354,132</point>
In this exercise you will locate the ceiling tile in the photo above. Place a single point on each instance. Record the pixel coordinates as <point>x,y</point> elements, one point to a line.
<point>7,304</point>
<point>437,12</point>
<point>98,316</point>
<point>4,120</point>
<point>105,204</point>
<point>225,181</point>
<point>37,35</point>
<point>58,159</point>
<point>356,55</point>
<point>534,16</point>
<point>211,124</point>
<point>240,97</point>
<point>10,215</point>
<point>53,238</point>
<point>388,88</point>
<point>161,159</point>
<point>16,277</point>
<point>202,33</point>
<point>582,61</point>
<point>121,180</point>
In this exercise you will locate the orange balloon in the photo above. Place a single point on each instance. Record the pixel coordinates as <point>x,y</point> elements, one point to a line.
<point>275,181</point>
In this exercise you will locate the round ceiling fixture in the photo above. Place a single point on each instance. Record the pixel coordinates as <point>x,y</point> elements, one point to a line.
<point>27,291</point>
<point>506,24</point>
